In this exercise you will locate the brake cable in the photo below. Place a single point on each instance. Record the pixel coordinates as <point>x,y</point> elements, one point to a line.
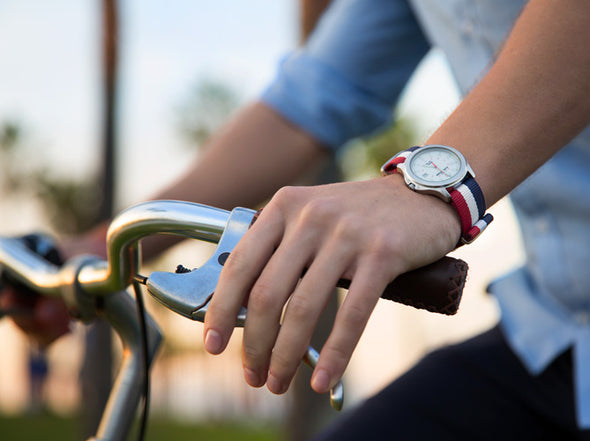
<point>144,356</point>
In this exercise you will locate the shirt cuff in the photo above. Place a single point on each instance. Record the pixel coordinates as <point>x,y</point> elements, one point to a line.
<point>323,102</point>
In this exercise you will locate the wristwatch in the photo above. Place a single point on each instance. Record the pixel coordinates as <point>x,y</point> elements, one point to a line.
<point>442,171</point>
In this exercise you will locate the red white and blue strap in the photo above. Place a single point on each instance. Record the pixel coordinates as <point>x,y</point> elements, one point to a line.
<point>466,198</point>
<point>391,166</point>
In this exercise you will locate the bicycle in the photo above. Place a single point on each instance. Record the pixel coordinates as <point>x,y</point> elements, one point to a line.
<point>92,287</point>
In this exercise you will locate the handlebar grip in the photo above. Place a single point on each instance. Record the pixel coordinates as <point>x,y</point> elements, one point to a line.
<point>436,287</point>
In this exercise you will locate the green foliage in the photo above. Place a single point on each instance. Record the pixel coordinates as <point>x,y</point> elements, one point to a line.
<point>363,157</point>
<point>206,108</point>
<point>9,136</point>
<point>52,428</point>
<point>162,430</point>
<point>45,427</point>
<point>70,205</point>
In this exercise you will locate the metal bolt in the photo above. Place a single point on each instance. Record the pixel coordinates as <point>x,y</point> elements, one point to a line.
<point>182,270</point>
<point>222,258</point>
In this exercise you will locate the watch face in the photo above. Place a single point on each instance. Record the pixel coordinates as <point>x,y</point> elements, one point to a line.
<point>436,166</point>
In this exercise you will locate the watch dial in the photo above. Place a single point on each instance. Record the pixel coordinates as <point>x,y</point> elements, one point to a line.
<point>435,164</point>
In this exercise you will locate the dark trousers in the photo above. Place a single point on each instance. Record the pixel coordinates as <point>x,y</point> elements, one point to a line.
<point>475,390</point>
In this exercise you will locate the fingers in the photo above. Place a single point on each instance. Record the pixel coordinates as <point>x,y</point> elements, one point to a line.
<point>52,319</point>
<point>268,279</point>
<point>302,314</point>
<point>44,319</point>
<point>350,322</point>
<point>265,306</point>
<point>239,273</point>
<point>23,304</point>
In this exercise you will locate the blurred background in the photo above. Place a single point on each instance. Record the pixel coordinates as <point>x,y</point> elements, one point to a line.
<point>102,103</point>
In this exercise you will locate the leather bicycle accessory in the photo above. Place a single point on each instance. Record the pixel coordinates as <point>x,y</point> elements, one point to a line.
<point>442,171</point>
<point>437,287</point>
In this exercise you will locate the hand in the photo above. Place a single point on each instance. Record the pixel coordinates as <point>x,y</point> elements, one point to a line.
<point>45,319</point>
<point>93,242</point>
<point>368,232</point>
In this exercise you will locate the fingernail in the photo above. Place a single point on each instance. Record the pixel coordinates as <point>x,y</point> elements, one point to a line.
<point>213,341</point>
<point>275,386</point>
<point>252,377</point>
<point>320,381</point>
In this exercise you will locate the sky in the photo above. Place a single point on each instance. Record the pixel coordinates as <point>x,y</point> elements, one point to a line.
<point>50,76</point>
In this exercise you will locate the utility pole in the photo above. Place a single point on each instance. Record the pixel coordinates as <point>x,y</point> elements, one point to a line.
<point>96,372</point>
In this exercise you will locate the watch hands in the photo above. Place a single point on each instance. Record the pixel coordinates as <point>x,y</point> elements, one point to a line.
<point>436,167</point>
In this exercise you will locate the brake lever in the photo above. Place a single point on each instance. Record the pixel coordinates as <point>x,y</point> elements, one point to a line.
<point>188,293</point>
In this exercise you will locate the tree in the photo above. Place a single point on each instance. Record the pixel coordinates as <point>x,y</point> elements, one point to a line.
<point>364,156</point>
<point>70,205</point>
<point>10,135</point>
<point>206,108</point>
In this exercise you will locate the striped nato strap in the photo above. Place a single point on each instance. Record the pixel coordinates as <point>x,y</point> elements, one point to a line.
<point>466,198</point>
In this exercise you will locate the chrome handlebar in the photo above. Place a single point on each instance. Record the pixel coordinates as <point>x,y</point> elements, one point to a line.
<point>184,219</point>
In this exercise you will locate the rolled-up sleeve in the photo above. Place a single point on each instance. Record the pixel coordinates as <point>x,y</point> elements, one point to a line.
<point>346,80</point>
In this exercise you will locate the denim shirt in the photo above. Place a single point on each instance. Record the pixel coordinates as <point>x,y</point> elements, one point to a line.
<point>345,83</point>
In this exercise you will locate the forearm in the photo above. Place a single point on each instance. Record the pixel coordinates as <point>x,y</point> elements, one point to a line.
<point>535,98</point>
<point>247,161</point>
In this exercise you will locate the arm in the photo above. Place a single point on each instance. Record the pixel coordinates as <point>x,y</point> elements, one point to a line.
<point>535,98</point>
<point>256,143</point>
<point>244,164</point>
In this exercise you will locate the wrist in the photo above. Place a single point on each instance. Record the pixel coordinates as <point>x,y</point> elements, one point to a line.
<point>448,224</point>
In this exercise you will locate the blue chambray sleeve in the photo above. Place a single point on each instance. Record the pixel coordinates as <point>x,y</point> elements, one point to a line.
<point>346,80</point>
